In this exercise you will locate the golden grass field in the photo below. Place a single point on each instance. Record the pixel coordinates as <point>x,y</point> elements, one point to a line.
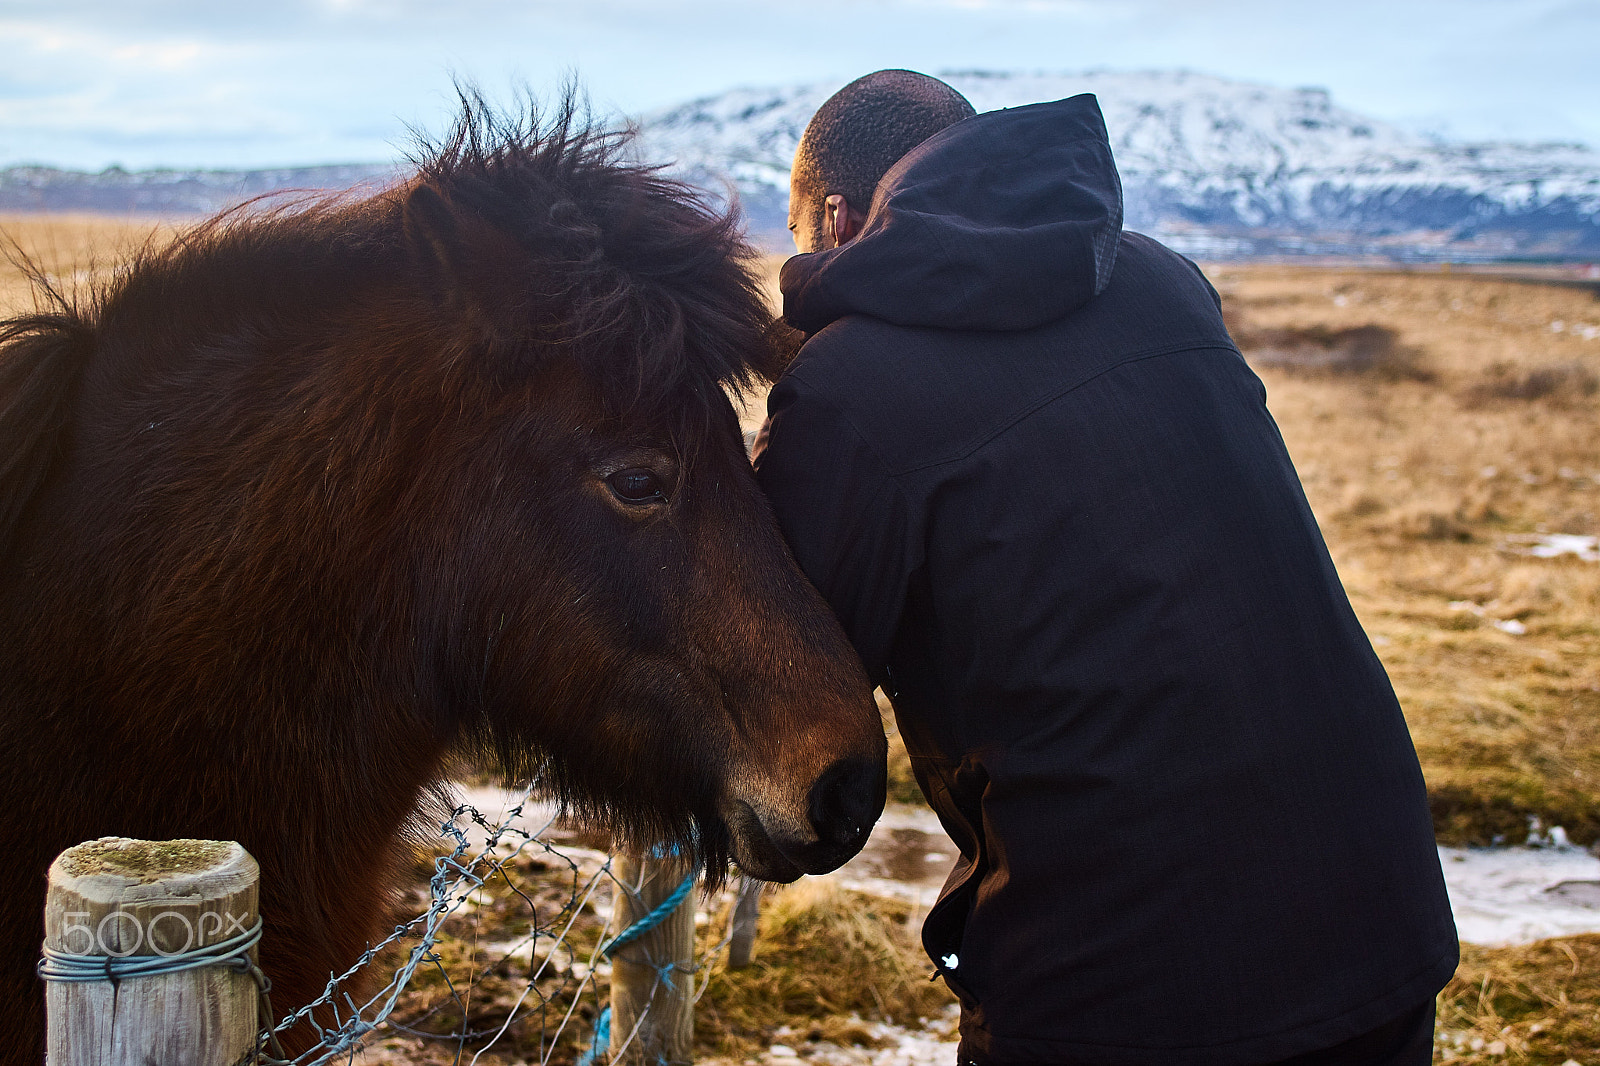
<point>1427,469</point>
<point>1440,422</point>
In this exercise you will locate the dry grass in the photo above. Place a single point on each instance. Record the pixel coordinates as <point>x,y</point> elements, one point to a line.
<point>827,959</point>
<point>72,250</point>
<point>1422,486</point>
<point>1533,1004</point>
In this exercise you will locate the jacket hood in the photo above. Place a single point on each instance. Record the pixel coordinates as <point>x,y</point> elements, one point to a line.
<point>1004,221</point>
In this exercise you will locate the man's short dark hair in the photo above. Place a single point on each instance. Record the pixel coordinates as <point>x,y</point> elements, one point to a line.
<point>863,130</point>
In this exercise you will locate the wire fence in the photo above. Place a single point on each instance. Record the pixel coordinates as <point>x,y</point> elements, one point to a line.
<point>505,959</point>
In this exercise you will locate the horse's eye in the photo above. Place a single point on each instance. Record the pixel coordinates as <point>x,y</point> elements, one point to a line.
<point>637,485</point>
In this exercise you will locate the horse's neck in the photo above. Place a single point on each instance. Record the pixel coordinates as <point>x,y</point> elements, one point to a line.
<point>302,778</point>
<point>341,812</point>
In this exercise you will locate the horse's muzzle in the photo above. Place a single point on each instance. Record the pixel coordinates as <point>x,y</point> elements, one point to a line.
<point>844,802</point>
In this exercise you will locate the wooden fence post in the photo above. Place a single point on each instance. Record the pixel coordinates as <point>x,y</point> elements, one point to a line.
<point>143,898</point>
<point>746,913</point>
<point>652,978</point>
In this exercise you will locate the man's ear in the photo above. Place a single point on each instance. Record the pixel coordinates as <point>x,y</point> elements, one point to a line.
<point>840,222</point>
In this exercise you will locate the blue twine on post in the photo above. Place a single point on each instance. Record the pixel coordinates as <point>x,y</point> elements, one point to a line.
<point>602,1024</point>
<point>602,1037</point>
<point>651,920</point>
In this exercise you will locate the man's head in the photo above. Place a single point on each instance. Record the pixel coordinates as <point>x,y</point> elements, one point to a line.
<point>853,139</point>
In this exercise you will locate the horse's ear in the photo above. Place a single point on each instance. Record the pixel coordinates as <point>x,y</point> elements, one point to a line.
<point>41,360</point>
<point>468,264</point>
<point>432,234</point>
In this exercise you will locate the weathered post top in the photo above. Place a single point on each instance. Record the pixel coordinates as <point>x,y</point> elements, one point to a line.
<point>150,903</point>
<point>116,869</point>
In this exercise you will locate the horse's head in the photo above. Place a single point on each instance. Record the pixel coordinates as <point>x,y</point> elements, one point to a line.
<point>613,592</point>
<point>323,490</point>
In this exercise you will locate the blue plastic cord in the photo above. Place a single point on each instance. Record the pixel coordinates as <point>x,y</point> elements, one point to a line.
<point>602,1037</point>
<point>651,920</point>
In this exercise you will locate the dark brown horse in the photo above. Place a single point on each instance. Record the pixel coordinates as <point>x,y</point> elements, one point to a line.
<point>308,498</point>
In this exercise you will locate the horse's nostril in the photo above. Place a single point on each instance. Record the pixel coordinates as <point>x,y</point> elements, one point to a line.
<point>846,800</point>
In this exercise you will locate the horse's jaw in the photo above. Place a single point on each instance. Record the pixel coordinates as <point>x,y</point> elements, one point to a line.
<point>772,847</point>
<point>753,848</point>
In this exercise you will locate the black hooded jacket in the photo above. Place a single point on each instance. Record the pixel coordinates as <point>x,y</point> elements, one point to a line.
<point>1022,459</point>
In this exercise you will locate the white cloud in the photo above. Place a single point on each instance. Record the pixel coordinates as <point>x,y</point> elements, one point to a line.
<point>88,82</point>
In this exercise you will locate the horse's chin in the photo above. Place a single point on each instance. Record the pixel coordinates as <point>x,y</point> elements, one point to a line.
<point>762,857</point>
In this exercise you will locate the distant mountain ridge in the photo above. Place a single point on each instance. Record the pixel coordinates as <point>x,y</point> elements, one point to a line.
<point>171,192</point>
<point>1212,166</point>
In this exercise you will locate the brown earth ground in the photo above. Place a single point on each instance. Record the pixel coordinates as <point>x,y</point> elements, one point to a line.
<point>1440,422</point>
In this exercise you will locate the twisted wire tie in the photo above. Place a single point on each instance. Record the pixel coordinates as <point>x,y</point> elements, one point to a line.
<point>232,953</point>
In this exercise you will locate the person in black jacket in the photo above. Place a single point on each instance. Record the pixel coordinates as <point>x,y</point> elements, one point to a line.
<point>1022,459</point>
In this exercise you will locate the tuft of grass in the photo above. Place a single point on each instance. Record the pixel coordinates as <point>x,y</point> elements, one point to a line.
<point>825,960</point>
<point>1565,383</point>
<point>1369,349</point>
<point>1534,1004</point>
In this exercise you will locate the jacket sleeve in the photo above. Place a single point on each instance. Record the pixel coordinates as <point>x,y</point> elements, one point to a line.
<point>846,520</point>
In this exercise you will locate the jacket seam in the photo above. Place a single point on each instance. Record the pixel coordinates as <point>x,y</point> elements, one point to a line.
<point>844,416</point>
<point>1051,398</point>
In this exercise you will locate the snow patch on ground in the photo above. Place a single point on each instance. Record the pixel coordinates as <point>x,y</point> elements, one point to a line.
<point>1551,545</point>
<point>1506,896</point>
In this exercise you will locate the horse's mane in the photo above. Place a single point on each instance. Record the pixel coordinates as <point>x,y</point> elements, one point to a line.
<point>649,283</point>
<point>636,278</point>
<point>41,356</point>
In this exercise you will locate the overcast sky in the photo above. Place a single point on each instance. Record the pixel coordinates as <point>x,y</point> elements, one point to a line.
<point>88,83</point>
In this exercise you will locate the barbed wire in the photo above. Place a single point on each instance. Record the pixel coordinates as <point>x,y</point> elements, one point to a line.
<point>513,872</point>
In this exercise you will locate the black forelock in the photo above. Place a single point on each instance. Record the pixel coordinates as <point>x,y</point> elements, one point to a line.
<point>636,278</point>
<point>640,279</point>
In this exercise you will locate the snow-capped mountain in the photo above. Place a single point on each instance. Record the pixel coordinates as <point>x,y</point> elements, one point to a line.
<point>1211,164</point>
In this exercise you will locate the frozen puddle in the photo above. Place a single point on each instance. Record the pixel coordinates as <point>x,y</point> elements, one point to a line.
<point>907,858</point>
<point>1518,895</point>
